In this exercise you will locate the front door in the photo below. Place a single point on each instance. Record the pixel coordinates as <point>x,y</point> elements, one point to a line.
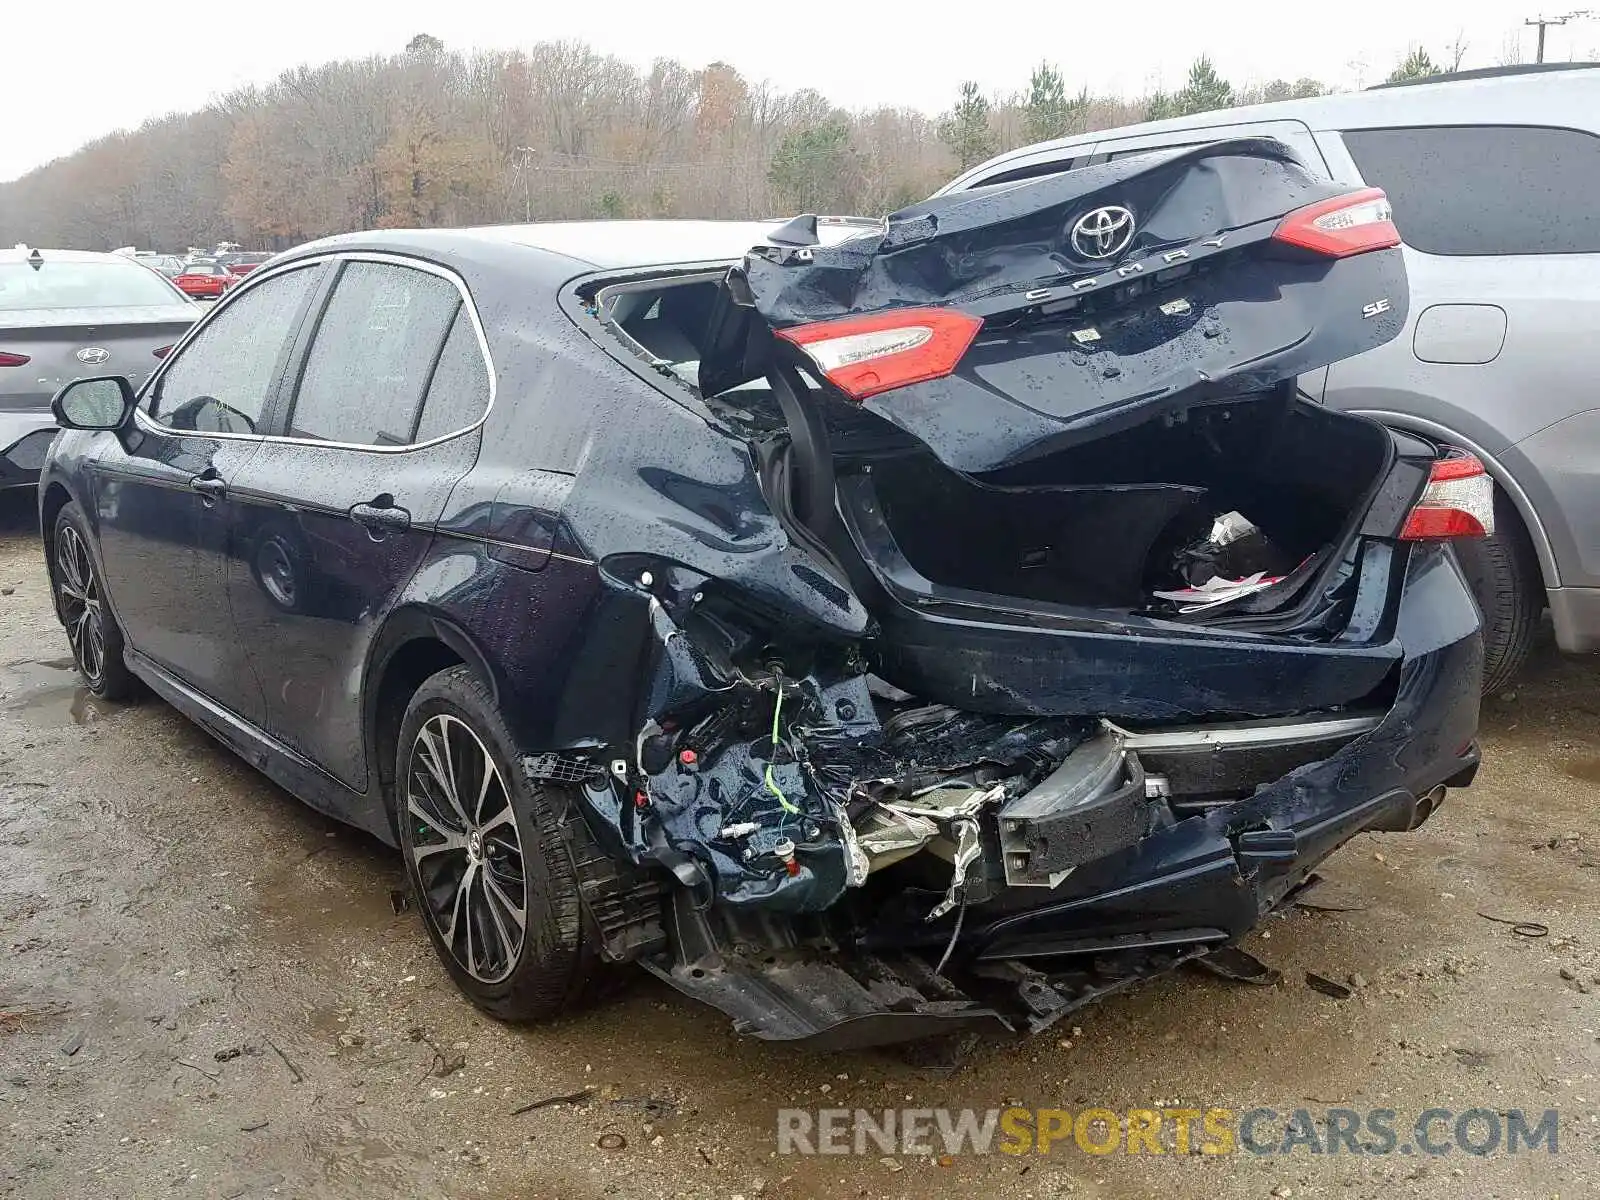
<point>333,523</point>
<point>161,493</point>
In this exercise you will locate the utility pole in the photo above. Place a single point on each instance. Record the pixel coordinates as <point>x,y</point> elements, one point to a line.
<point>525,156</point>
<point>1542,22</point>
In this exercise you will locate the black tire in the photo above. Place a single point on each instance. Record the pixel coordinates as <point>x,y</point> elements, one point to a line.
<point>1503,574</point>
<point>80,600</point>
<point>556,962</point>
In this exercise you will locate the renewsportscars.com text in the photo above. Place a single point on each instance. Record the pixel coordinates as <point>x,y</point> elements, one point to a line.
<point>1211,1131</point>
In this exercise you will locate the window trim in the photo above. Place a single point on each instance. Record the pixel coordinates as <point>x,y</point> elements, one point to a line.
<point>280,402</point>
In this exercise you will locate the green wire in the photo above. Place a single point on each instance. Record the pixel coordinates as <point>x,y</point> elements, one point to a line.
<point>772,784</point>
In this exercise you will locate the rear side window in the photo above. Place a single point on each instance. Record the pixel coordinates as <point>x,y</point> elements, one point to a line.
<point>1038,170</point>
<point>459,391</point>
<point>1486,189</point>
<point>374,355</point>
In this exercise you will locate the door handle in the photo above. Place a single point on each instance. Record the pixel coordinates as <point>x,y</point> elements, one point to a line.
<point>380,515</point>
<point>210,487</point>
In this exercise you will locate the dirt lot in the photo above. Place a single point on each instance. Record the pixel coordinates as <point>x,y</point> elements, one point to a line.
<point>205,991</point>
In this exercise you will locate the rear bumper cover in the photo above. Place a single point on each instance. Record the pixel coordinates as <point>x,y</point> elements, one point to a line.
<point>1222,871</point>
<point>1190,885</point>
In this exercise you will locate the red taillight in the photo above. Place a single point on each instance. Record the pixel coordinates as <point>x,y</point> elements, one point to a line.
<point>8,359</point>
<point>862,356</point>
<point>162,351</point>
<point>1458,502</point>
<point>1341,226</point>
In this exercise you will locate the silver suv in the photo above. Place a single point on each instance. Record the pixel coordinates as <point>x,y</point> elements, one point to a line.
<point>1494,176</point>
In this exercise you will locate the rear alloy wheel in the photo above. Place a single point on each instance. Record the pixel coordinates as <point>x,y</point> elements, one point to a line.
<point>485,854</point>
<point>465,848</point>
<point>80,603</point>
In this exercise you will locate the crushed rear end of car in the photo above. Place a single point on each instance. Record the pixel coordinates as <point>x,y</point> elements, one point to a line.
<point>1052,638</point>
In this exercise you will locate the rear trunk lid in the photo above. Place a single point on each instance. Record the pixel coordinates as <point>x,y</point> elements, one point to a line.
<point>1105,294</point>
<point>61,345</point>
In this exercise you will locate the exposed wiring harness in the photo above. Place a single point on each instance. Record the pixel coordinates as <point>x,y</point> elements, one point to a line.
<point>954,934</point>
<point>772,784</point>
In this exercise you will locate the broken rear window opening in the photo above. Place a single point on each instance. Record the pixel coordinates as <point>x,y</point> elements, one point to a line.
<point>1128,634</point>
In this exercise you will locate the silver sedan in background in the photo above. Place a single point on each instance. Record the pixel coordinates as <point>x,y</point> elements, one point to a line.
<point>65,314</point>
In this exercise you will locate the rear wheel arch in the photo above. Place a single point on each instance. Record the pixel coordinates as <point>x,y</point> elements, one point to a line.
<point>413,646</point>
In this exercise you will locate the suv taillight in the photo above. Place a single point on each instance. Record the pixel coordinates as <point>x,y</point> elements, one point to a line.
<point>1342,225</point>
<point>8,359</point>
<point>1457,503</point>
<point>862,356</point>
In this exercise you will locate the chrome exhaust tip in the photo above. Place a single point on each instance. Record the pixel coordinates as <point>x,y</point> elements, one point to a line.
<point>1428,804</point>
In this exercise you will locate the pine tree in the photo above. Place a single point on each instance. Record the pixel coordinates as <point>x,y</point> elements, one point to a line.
<point>1205,90</point>
<point>1415,65</point>
<point>1159,107</point>
<point>1046,112</point>
<point>965,128</point>
<point>812,166</point>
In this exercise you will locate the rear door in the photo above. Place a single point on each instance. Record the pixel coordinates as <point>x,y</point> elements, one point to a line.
<point>161,496</point>
<point>1503,300</point>
<point>337,511</point>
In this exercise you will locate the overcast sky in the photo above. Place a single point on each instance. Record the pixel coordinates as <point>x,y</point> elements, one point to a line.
<point>72,72</point>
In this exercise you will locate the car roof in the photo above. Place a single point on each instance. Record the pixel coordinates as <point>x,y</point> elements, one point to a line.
<point>48,255</point>
<point>1557,93</point>
<point>606,245</point>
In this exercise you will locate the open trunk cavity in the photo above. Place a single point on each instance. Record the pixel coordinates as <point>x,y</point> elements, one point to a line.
<point>1110,523</point>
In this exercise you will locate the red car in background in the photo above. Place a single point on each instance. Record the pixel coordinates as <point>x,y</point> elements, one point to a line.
<point>204,281</point>
<point>242,264</point>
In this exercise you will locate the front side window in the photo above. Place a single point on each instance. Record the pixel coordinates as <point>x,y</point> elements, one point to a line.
<point>1486,189</point>
<point>223,379</point>
<point>374,354</point>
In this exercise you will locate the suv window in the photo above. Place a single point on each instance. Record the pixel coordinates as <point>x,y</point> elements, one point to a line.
<point>223,379</point>
<point>373,355</point>
<point>459,392</point>
<point>1531,190</point>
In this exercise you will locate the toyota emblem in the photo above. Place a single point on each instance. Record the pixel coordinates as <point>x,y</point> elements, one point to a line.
<point>1103,232</point>
<point>93,356</point>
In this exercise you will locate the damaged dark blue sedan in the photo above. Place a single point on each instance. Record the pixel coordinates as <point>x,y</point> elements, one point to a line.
<point>871,628</point>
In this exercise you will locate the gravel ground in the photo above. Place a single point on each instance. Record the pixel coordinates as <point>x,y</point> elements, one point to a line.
<point>205,991</point>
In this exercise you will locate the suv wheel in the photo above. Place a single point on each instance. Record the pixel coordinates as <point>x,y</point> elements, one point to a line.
<point>484,852</point>
<point>1503,574</point>
<point>81,606</point>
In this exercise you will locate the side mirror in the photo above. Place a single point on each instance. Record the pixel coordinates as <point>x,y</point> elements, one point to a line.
<point>102,403</point>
